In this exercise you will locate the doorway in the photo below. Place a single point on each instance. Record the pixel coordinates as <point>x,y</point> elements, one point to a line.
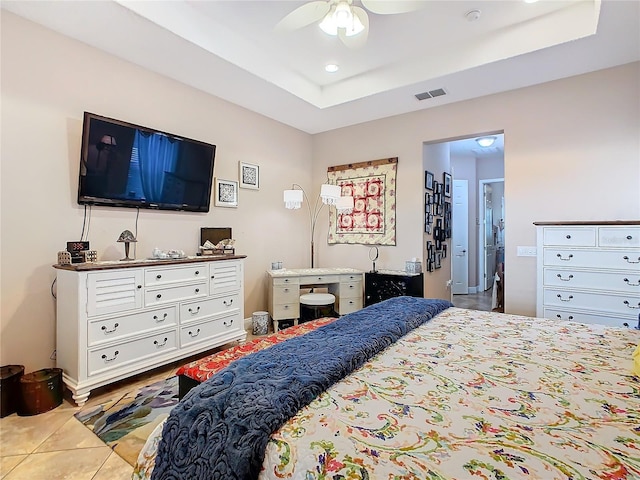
<point>483,170</point>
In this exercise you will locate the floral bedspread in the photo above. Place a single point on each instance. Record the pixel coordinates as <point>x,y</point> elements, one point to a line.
<point>472,395</point>
<point>476,395</point>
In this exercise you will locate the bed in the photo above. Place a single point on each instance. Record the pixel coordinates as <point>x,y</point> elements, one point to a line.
<point>460,394</point>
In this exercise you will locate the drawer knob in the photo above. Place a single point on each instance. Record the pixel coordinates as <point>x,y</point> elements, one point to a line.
<point>286,290</point>
<point>625,324</point>
<point>286,280</point>
<point>569,257</point>
<point>629,237</point>
<point>197,272</point>
<point>106,331</point>
<point>568,299</point>
<point>228,303</point>
<point>212,277</point>
<point>568,318</point>
<point>158,344</point>
<point>159,296</point>
<point>139,287</point>
<point>568,237</point>
<point>228,323</point>
<point>191,334</point>
<point>626,302</point>
<point>197,290</point>
<point>158,276</point>
<point>157,319</point>
<point>629,260</point>
<point>107,360</point>
<point>194,311</point>
<point>626,280</point>
<point>564,279</point>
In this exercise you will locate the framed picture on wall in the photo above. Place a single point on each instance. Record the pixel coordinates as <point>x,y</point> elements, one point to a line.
<point>428,180</point>
<point>226,193</point>
<point>446,180</point>
<point>249,176</point>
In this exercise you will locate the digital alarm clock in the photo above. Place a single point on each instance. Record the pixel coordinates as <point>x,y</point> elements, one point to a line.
<point>74,248</point>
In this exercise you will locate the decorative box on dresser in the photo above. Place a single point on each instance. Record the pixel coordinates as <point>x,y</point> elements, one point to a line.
<point>117,319</point>
<point>589,272</point>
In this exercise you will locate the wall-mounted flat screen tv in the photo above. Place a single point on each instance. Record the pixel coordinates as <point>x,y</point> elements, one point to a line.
<point>126,165</point>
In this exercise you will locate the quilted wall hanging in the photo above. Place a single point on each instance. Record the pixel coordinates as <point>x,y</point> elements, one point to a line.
<point>373,187</point>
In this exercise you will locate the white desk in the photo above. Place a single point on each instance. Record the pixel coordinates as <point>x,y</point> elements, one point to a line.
<point>285,285</point>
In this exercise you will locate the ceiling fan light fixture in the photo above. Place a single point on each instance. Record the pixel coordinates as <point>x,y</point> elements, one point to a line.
<point>341,16</point>
<point>485,141</point>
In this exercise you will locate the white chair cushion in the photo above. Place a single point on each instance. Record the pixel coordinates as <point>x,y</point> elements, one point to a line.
<point>317,299</point>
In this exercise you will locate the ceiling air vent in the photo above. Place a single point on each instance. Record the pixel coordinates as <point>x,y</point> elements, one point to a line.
<point>431,94</point>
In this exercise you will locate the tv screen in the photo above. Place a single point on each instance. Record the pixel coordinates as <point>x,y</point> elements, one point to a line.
<point>126,165</point>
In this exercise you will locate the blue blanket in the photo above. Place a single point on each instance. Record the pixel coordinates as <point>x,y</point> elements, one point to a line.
<point>221,428</point>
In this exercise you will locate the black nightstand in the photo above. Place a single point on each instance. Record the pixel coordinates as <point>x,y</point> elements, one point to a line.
<point>385,284</point>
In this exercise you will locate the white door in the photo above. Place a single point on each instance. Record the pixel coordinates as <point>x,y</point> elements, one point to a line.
<point>460,238</point>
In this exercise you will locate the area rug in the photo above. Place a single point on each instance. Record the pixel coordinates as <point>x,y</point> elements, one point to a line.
<point>124,423</point>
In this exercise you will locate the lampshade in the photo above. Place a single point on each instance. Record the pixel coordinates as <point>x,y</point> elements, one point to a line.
<point>485,141</point>
<point>127,236</point>
<point>293,199</point>
<point>344,205</point>
<point>341,16</point>
<point>330,193</point>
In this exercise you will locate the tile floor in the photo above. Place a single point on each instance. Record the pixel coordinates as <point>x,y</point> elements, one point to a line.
<point>477,301</point>
<point>55,446</point>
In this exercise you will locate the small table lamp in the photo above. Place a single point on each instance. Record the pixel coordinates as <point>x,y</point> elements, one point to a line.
<point>127,237</point>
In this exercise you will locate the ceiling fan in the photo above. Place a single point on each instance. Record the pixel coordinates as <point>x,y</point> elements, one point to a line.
<point>341,18</point>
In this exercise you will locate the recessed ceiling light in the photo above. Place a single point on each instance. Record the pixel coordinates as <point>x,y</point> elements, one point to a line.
<point>331,67</point>
<point>530,1</point>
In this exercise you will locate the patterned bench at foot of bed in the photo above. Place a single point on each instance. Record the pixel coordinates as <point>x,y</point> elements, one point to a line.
<point>198,371</point>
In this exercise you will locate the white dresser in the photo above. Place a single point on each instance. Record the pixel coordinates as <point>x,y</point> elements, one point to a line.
<point>117,319</point>
<point>589,272</point>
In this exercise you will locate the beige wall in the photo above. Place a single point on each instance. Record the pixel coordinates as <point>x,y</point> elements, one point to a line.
<point>570,154</point>
<point>48,81</point>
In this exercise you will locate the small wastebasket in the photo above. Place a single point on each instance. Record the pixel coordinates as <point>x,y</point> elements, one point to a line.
<point>40,391</point>
<point>10,388</point>
<point>260,321</point>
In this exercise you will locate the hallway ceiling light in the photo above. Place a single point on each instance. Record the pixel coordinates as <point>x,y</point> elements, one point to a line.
<point>485,141</point>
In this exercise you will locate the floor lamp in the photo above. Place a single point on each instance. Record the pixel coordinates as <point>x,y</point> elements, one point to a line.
<point>329,195</point>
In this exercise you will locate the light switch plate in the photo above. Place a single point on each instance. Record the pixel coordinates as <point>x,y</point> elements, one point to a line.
<point>527,251</point>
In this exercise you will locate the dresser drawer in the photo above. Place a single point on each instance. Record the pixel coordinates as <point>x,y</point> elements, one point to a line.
<point>592,318</point>
<point>351,277</point>
<point>619,237</point>
<point>200,332</point>
<point>286,281</point>
<point>611,281</point>
<point>285,294</point>
<point>575,237</point>
<point>627,305</point>
<point>159,296</point>
<point>106,330</point>
<point>171,275</point>
<point>350,290</point>
<point>286,310</point>
<point>229,304</point>
<point>130,351</point>
<point>600,259</point>
<point>319,279</point>
<point>348,305</point>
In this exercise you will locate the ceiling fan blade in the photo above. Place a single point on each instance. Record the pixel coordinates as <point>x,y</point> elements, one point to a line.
<point>304,15</point>
<point>385,7</point>
<point>356,41</point>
